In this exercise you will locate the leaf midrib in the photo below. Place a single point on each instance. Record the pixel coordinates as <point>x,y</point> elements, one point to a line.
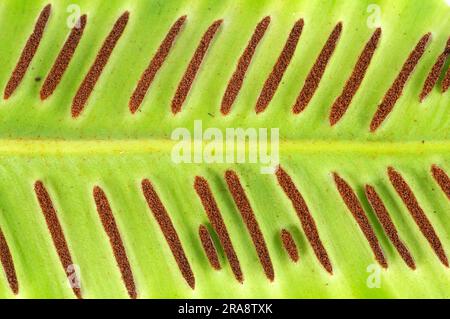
<point>140,146</point>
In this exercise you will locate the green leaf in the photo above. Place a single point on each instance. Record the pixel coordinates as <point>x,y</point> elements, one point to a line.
<point>109,147</point>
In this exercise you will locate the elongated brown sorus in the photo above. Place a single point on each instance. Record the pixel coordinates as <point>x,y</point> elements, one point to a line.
<point>435,72</point>
<point>274,78</point>
<point>352,85</point>
<point>289,245</point>
<point>235,83</point>
<point>110,226</point>
<point>8,264</point>
<point>395,91</point>
<point>169,231</point>
<point>446,81</point>
<point>194,65</point>
<point>354,206</point>
<point>91,78</point>
<point>55,229</point>
<point>215,217</point>
<point>28,52</point>
<point>208,247</point>
<point>154,66</point>
<point>388,225</point>
<point>442,179</point>
<point>410,201</point>
<point>248,216</point>
<point>315,75</point>
<point>64,57</point>
<point>306,219</point>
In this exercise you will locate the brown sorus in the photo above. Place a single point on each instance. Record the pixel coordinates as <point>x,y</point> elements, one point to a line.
<point>274,78</point>
<point>55,229</point>
<point>442,179</point>
<point>215,217</point>
<point>63,59</point>
<point>306,219</point>
<point>8,264</point>
<point>91,78</point>
<point>154,66</point>
<point>435,72</point>
<point>354,206</point>
<point>244,207</point>
<point>289,245</point>
<point>395,91</point>
<point>235,83</point>
<point>446,81</point>
<point>168,230</point>
<point>315,75</point>
<point>194,65</point>
<point>352,85</point>
<point>28,52</point>
<point>409,199</point>
<point>208,247</point>
<point>110,226</point>
<point>388,225</point>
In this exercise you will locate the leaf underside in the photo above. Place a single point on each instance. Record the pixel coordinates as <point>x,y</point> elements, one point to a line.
<point>110,147</point>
